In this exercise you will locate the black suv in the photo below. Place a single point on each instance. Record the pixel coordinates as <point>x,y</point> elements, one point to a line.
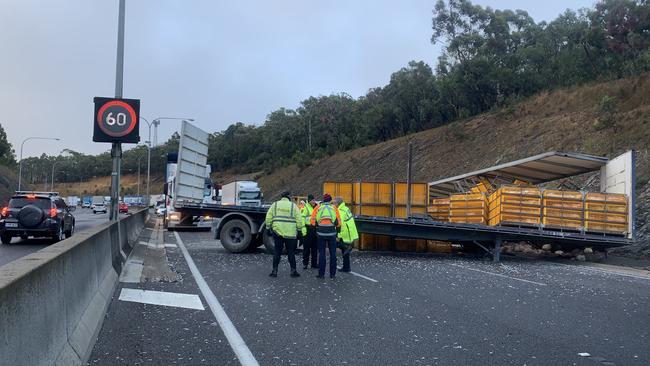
<point>37,214</point>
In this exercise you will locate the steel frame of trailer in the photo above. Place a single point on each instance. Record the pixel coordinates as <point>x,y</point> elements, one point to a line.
<point>493,236</point>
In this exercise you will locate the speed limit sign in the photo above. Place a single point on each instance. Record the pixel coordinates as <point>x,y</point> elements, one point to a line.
<point>117,120</point>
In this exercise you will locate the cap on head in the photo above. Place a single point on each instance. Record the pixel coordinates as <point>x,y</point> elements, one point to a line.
<point>310,197</point>
<point>337,200</point>
<point>286,194</point>
<point>327,197</point>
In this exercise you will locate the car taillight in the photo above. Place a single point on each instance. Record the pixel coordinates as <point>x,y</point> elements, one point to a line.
<point>5,211</point>
<point>53,212</point>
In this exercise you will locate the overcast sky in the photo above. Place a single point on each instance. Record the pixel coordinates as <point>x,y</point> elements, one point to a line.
<point>217,62</point>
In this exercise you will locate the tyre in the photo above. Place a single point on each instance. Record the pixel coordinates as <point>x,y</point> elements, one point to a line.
<point>235,236</point>
<point>59,235</point>
<point>5,239</point>
<point>68,233</point>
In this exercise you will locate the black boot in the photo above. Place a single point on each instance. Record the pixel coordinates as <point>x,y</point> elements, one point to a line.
<point>295,273</point>
<point>274,273</point>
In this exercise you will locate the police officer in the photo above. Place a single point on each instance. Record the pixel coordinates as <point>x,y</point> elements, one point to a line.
<point>348,234</point>
<point>309,241</point>
<point>285,221</point>
<point>327,221</point>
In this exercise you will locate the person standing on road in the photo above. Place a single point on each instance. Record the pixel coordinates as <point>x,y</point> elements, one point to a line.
<point>327,221</point>
<point>309,241</point>
<point>285,222</point>
<point>348,234</point>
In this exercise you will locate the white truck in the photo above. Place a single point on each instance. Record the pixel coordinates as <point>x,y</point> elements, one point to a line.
<point>191,198</point>
<point>73,200</point>
<point>241,193</point>
<point>97,200</point>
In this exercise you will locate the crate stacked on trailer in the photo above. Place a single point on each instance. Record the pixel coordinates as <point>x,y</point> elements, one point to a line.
<point>468,208</point>
<point>515,205</point>
<point>606,213</point>
<point>563,210</point>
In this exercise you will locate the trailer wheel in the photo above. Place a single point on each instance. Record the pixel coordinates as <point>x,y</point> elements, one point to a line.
<point>235,236</point>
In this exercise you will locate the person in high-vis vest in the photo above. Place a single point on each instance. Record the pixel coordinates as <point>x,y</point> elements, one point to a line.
<point>348,234</point>
<point>309,246</point>
<point>327,221</point>
<point>285,222</point>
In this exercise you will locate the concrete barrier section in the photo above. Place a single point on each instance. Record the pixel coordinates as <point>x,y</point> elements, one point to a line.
<point>52,302</point>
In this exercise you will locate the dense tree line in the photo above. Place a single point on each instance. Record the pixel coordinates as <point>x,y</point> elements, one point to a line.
<point>491,59</point>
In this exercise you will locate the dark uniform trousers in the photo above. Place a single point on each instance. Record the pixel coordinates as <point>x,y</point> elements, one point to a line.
<point>309,247</point>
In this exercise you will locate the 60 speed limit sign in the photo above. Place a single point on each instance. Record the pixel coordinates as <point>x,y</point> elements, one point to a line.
<point>117,120</point>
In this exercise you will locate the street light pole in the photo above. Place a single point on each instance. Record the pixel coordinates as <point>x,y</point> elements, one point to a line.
<point>156,123</point>
<point>20,164</point>
<point>116,149</point>
<point>52,182</point>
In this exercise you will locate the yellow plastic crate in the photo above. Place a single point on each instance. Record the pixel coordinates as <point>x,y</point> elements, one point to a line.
<point>469,220</point>
<point>606,227</point>
<point>606,217</point>
<point>562,223</point>
<point>563,204</point>
<point>563,214</point>
<point>605,207</point>
<point>614,198</point>
<point>514,220</point>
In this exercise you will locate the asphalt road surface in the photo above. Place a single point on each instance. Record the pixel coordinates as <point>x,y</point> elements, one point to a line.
<point>85,219</point>
<point>395,310</point>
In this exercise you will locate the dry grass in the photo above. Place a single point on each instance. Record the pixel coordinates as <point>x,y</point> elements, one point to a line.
<point>561,120</point>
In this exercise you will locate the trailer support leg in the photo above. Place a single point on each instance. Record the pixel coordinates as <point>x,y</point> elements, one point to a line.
<point>497,250</point>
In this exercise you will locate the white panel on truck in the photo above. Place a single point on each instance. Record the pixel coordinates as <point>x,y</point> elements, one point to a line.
<point>192,161</point>
<point>618,176</point>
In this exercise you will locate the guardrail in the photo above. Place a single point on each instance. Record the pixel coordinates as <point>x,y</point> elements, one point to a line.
<point>52,302</point>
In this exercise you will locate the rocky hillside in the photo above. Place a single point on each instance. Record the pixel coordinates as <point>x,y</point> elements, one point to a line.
<point>562,120</point>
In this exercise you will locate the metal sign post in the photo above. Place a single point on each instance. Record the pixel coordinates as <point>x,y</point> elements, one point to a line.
<point>116,149</point>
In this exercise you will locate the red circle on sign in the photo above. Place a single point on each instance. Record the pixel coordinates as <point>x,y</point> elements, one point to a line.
<point>116,103</point>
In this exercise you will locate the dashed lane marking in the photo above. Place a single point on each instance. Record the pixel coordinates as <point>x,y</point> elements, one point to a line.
<point>237,343</point>
<point>186,301</point>
<point>498,275</point>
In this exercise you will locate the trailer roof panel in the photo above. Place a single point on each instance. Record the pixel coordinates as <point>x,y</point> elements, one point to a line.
<point>536,169</point>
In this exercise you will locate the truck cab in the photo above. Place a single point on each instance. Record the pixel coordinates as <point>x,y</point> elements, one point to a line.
<point>241,193</point>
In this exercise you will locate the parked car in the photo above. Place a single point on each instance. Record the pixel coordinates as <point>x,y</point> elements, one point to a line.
<point>99,207</point>
<point>36,214</point>
<point>123,208</point>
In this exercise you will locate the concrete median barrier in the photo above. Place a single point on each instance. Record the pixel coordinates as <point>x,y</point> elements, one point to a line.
<point>52,302</point>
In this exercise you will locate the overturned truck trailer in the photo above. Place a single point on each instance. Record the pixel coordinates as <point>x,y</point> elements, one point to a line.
<point>510,202</point>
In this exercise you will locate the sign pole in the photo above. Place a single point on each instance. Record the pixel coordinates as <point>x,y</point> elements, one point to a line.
<point>116,150</point>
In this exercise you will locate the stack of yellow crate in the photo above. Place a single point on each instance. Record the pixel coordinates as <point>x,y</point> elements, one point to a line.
<point>563,209</point>
<point>606,213</point>
<point>418,199</point>
<point>470,208</point>
<point>515,206</point>
<point>439,209</point>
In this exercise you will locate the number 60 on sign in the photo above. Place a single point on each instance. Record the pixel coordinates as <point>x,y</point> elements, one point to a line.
<point>116,120</point>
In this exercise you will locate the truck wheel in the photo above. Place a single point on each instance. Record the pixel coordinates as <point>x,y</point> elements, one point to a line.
<point>6,239</point>
<point>269,242</point>
<point>235,236</point>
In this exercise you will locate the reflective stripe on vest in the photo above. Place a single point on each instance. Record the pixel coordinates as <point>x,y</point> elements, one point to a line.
<point>282,218</point>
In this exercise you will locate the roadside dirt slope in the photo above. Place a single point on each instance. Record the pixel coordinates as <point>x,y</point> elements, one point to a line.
<point>561,120</point>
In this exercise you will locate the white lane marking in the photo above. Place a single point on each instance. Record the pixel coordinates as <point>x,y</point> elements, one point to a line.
<point>498,275</point>
<point>186,301</point>
<point>605,270</point>
<point>237,343</point>
<point>171,246</point>
<point>362,276</point>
